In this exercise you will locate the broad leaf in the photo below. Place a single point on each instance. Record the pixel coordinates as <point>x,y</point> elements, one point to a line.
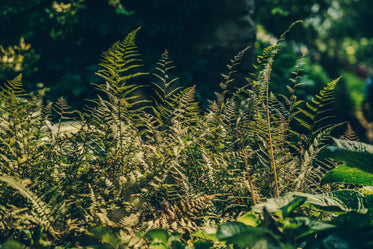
<point>247,237</point>
<point>11,244</point>
<point>203,245</point>
<point>336,201</point>
<point>206,234</point>
<point>300,227</point>
<point>354,154</point>
<point>281,206</point>
<point>346,174</point>
<point>158,234</point>
<point>249,219</point>
<point>357,238</point>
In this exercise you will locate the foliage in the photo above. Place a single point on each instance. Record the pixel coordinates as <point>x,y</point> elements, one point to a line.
<point>285,218</point>
<point>59,32</point>
<point>357,157</point>
<point>281,223</point>
<point>130,164</point>
<point>17,59</point>
<point>334,38</point>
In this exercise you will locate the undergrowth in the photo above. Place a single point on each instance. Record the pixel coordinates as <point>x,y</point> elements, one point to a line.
<point>134,163</point>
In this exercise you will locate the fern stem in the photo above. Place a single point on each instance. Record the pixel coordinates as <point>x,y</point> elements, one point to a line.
<point>251,185</point>
<point>249,179</point>
<point>267,77</point>
<point>268,69</point>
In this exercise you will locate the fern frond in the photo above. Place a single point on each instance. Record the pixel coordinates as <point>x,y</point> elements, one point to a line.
<point>121,68</point>
<point>40,207</point>
<point>120,60</point>
<point>187,108</point>
<point>229,78</point>
<point>62,109</point>
<point>183,216</point>
<point>317,113</point>
<point>120,64</point>
<point>165,88</point>
<point>13,88</point>
<point>349,134</point>
<point>311,169</point>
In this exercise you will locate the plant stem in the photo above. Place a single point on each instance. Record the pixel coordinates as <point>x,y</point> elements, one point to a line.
<point>268,69</point>
<point>251,185</point>
<point>249,179</point>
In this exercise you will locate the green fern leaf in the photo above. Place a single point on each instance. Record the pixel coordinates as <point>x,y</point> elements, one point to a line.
<point>40,207</point>
<point>14,88</point>
<point>120,64</point>
<point>317,113</point>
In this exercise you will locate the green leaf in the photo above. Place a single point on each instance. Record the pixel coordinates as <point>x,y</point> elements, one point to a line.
<point>11,244</point>
<point>300,227</point>
<point>246,237</point>
<point>206,234</point>
<point>353,220</point>
<point>175,244</point>
<point>156,244</point>
<point>158,234</point>
<point>203,245</point>
<point>367,190</point>
<point>356,238</point>
<point>336,201</point>
<point>105,235</point>
<point>282,207</point>
<point>249,219</point>
<point>346,174</point>
<point>354,154</point>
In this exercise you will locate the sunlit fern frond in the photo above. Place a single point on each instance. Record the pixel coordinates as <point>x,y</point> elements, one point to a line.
<point>4,220</point>
<point>62,109</point>
<point>317,114</point>
<point>13,99</point>
<point>120,60</point>
<point>120,65</point>
<point>23,130</point>
<point>310,169</point>
<point>229,77</point>
<point>267,53</point>
<point>183,216</point>
<point>164,81</point>
<point>97,211</point>
<point>41,208</point>
<point>291,102</point>
<point>13,88</point>
<point>185,110</point>
<point>270,51</point>
<point>166,91</point>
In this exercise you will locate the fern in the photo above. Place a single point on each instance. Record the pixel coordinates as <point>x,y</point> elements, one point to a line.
<point>164,88</point>
<point>13,89</point>
<point>349,134</point>
<point>229,78</point>
<point>23,122</point>
<point>182,216</point>
<point>135,163</point>
<point>316,114</point>
<point>121,64</point>
<point>40,207</point>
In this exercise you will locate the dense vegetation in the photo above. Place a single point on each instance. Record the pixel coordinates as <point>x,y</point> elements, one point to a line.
<point>131,170</point>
